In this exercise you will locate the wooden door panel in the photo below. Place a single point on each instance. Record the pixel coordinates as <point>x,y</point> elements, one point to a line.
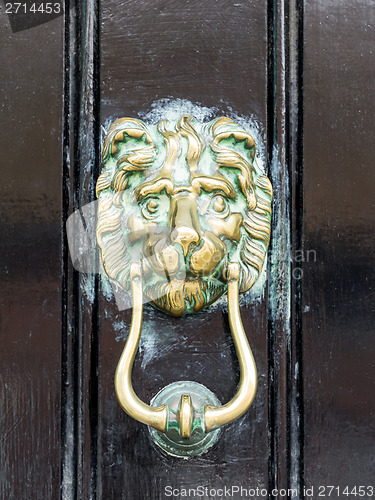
<point>30,308</point>
<point>214,54</point>
<point>339,372</point>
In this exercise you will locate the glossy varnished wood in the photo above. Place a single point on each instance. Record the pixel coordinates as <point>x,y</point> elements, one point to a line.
<point>339,342</point>
<point>30,345</point>
<point>304,70</point>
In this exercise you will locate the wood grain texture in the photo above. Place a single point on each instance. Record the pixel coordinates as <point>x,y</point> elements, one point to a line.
<point>30,308</point>
<point>212,52</point>
<point>339,341</point>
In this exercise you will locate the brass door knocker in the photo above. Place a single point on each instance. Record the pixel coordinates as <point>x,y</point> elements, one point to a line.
<point>191,202</point>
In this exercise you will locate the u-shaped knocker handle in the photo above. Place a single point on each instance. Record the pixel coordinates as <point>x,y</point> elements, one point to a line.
<point>213,416</point>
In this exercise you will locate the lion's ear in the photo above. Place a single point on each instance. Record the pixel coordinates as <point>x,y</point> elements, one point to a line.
<point>248,191</point>
<point>137,157</point>
<point>120,130</point>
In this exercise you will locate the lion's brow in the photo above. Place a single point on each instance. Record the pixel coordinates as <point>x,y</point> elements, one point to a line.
<point>214,183</point>
<point>154,186</point>
<point>209,184</point>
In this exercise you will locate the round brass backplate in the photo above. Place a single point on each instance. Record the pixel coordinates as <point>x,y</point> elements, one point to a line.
<point>171,441</point>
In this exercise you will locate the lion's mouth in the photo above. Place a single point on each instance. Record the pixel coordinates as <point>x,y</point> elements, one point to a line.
<point>179,297</point>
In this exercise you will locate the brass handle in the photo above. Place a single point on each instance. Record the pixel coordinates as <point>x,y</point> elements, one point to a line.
<point>218,416</point>
<point>214,416</point>
<point>154,417</point>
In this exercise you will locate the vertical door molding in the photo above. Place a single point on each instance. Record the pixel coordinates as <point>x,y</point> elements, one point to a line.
<point>80,316</point>
<point>285,153</point>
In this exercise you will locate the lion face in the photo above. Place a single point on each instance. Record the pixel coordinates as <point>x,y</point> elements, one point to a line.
<point>184,199</point>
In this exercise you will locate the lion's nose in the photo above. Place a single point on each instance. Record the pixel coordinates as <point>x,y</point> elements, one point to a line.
<point>183,222</point>
<point>185,236</point>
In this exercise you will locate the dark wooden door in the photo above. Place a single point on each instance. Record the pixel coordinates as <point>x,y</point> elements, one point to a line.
<point>305,72</point>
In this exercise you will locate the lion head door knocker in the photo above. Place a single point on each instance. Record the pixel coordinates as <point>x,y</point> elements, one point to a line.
<point>193,206</point>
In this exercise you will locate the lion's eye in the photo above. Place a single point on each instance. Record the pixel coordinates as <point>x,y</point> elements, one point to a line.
<point>219,205</point>
<point>150,208</point>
